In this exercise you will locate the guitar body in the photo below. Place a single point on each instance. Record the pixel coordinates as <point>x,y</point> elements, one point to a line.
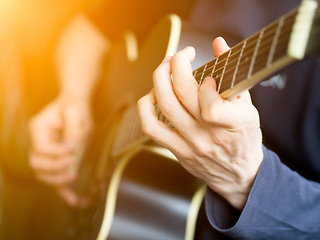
<point>136,189</point>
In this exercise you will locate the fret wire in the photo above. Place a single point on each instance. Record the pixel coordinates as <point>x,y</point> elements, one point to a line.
<point>214,67</point>
<point>238,62</point>
<point>201,79</point>
<point>242,75</point>
<point>265,50</point>
<point>195,73</point>
<point>219,65</point>
<point>220,61</point>
<point>224,69</point>
<point>247,53</point>
<point>279,51</point>
<point>261,64</point>
<point>255,53</point>
<point>274,42</point>
<point>235,53</point>
<point>267,33</point>
<point>198,70</point>
<point>210,64</point>
<point>265,47</point>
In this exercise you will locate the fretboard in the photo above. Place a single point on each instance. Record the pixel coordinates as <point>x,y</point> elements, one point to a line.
<point>246,59</point>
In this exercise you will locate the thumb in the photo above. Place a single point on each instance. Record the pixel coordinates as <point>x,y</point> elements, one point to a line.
<point>72,126</point>
<point>77,121</point>
<point>219,46</point>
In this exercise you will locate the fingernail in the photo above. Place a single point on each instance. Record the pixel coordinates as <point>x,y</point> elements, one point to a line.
<point>189,47</point>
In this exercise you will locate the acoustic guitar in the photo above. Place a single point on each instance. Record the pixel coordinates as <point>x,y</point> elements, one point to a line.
<point>138,190</point>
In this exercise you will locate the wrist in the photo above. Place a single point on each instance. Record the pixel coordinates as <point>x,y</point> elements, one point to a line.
<point>238,198</point>
<point>236,191</point>
<point>67,96</point>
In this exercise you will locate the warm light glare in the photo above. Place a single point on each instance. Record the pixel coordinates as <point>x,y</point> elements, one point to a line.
<point>28,34</point>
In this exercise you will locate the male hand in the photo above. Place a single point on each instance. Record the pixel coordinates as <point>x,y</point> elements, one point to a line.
<point>215,139</point>
<point>57,132</point>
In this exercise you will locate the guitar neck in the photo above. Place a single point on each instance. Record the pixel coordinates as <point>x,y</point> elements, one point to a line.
<point>246,64</point>
<point>265,52</point>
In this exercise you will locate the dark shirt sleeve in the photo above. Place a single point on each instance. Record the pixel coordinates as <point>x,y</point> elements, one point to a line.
<point>281,205</point>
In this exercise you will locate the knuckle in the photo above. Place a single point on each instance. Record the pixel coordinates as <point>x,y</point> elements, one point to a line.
<point>210,114</point>
<point>141,101</point>
<point>184,55</point>
<point>158,72</point>
<point>178,56</point>
<point>165,107</point>
<point>147,128</point>
<point>202,150</point>
<point>155,73</point>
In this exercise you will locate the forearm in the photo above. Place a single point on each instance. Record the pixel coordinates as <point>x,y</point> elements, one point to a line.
<point>78,58</point>
<point>281,205</point>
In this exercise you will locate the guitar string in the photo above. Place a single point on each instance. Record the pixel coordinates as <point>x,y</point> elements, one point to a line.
<point>242,64</point>
<point>280,48</point>
<point>259,64</point>
<point>242,73</point>
<point>270,27</point>
<point>250,47</point>
<point>247,54</point>
<point>224,55</point>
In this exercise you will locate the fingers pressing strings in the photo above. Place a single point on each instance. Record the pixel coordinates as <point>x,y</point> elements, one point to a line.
<point>184,84</point>
<point>187,133</point>
<point>171,107</point>
<point>159,131</point>
<point>166,98</point>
